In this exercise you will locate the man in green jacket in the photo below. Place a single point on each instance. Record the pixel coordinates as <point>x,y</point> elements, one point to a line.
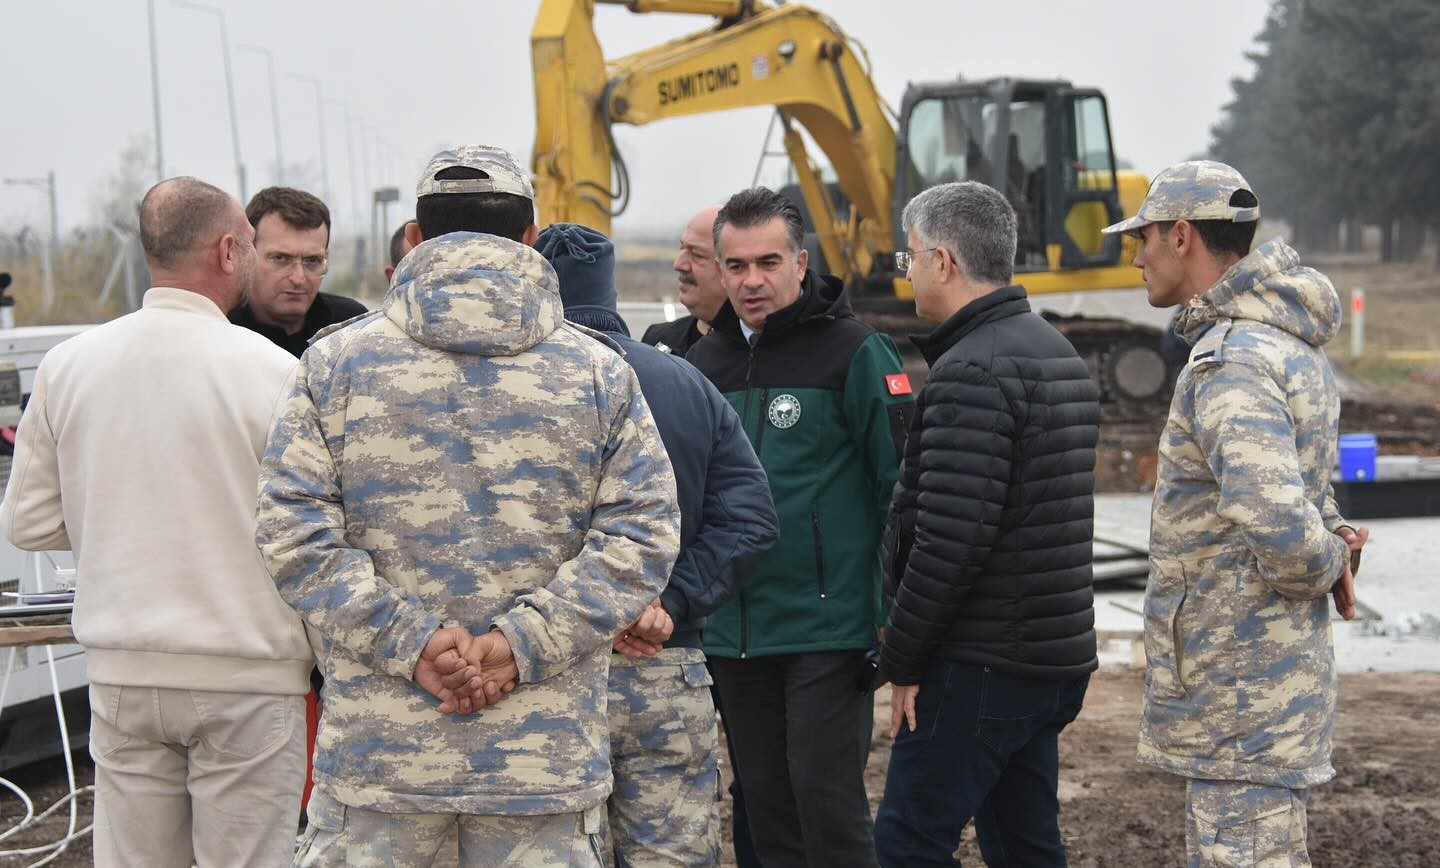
<point>826,404</point>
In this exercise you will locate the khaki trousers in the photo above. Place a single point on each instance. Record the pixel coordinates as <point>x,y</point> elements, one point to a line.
<point>186,776</point>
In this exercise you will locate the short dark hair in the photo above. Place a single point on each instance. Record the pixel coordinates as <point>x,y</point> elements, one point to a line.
<point>1226,236</point>
<point>758,206</point>
<point>178,215</point>
<point>502,214</point>
<point>296,207</point>
<point>397,241</point>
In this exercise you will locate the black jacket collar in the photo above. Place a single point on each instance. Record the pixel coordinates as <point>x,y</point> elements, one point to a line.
<point>1004,302</point>
<point>822,297</point>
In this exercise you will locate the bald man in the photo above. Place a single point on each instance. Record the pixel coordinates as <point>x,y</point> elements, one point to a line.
<point>700,289</point>
<point>139,451</point>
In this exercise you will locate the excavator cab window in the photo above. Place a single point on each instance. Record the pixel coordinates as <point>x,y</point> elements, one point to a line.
<point>991,133</point>
<point>1044,144</point>
<point>1025,160</point>
<point>947,141</point>
<point>1087,196</point>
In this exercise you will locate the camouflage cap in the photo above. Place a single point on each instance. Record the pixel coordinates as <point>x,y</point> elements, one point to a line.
<point>1197,190</point>
<point>503,171</point>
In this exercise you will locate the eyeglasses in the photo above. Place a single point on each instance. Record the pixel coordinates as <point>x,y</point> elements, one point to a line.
<point>905,258</point>
<point>282,263</point>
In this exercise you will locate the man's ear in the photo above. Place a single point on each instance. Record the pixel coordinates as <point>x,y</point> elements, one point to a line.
<point>412,233</point>
<point>227,252</point>
<point>803,260</point>
<point>1183,238</point>
<point>530,235</point>
<point>948,266</point>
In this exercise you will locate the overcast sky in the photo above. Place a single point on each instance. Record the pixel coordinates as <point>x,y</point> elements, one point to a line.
<point>420,75</point>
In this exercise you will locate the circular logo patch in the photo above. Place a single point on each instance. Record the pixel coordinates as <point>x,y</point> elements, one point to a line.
<point>784,411</point>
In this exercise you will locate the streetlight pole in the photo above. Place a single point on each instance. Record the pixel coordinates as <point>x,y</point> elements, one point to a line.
<point>155,94</point>
<point>229,87</point>
<point>47,297</point>
<point>383,196</point>
<point>350,158</point>
<point>319,119</point>
<point>274,107</point>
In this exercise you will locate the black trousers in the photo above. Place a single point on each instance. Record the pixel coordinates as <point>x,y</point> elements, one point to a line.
<point>740,841</point>
<point>799,728</point>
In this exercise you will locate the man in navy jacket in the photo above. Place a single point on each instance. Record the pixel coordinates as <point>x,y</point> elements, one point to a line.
<point>662,719</point>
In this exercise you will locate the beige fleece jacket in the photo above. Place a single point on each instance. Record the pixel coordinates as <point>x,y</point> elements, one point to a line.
<point>139,451</point>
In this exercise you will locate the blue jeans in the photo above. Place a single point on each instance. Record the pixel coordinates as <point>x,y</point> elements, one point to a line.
<point>985,745</point>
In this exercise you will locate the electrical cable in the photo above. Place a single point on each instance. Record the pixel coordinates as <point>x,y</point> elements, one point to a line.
<point>54,848</point>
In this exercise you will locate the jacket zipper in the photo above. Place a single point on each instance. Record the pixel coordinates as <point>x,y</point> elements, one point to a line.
<point>744,626</point>
<point>819,551</point>
<point>759,431</point>
<point>760,423</point>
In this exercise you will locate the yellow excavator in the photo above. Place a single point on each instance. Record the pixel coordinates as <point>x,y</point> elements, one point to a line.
<point>1044,144</point>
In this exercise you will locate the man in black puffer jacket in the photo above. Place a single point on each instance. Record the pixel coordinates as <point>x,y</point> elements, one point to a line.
<point>990,641</point>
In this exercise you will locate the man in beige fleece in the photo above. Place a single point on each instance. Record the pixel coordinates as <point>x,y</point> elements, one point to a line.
<point>139,451</point>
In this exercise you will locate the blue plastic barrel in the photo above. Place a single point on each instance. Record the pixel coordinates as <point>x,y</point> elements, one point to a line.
<point>1357,457</point>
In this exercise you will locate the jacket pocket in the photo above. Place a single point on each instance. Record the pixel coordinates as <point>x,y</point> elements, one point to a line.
<point>819,536</point>
<point>1164,633</point>
<point>106,737</point>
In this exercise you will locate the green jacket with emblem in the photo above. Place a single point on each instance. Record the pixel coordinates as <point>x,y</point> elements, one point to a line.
<point>825,403</point>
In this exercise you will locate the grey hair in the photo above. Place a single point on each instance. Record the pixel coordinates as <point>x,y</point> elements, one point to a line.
<point>179,215</point>
<point>972,221</point>
<point>756,207</point>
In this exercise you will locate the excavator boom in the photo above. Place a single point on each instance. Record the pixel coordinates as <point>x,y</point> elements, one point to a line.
<point>1044,144</point>
<point>789,57</point>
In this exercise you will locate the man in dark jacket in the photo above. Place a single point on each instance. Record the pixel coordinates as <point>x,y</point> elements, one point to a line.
<point>663,742</point>
<point>701,291</point>
<point>292,236</point>
<point>991,634</point>
<point>825,403</point>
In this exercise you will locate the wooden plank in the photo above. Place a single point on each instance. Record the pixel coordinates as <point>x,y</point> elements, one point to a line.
<point>43,630</point>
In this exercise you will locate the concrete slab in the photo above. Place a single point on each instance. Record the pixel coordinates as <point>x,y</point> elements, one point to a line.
<point>1399,579</point>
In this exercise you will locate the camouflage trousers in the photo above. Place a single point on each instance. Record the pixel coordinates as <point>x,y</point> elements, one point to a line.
<point>339,835</point>
<point>1237,823</point>
<point>665,809</point>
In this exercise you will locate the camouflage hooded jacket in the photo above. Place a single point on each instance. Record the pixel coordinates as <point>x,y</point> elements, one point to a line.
<point>464,457</point>
<point>1240,682</point>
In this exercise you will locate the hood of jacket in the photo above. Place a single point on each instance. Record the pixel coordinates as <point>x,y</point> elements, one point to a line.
<point>471,293</point>
<point>821,297</point>
<point>1272,287</point>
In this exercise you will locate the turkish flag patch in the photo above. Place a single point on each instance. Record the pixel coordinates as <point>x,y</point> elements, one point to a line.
<point>898,384</point>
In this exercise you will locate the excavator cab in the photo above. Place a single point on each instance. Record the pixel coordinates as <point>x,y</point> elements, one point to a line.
<point>1044,144</point>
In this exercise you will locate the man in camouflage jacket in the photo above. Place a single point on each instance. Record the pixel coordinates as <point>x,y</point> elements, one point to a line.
<point>1245,539</point>
<point>463,463</point>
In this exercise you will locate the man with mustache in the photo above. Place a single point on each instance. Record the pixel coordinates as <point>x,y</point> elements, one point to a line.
<point>701,291</point>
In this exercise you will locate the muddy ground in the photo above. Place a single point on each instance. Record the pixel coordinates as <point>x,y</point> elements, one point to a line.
<point>1382,810</point>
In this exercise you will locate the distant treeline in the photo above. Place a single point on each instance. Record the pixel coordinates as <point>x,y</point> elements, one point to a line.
<point>1339,127</point>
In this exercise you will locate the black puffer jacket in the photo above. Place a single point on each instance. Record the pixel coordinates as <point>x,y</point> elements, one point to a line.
<point>989,541</point>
